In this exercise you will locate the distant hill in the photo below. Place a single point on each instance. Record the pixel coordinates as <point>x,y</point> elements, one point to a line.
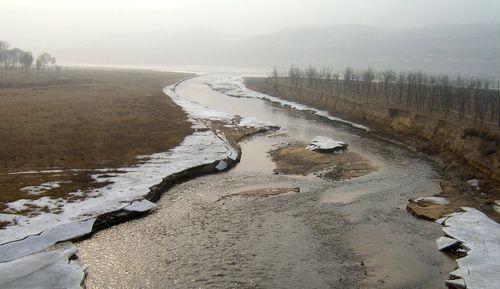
<point>469,49</point>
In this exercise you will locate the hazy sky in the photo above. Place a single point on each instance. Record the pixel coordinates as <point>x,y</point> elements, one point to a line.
<point>52,25</point>
<point>26,20</point>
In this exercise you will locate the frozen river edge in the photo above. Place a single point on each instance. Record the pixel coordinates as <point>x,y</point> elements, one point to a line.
<point>29,257</point>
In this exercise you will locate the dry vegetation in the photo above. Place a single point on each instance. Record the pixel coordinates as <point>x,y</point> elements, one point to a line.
<point>82,119</point>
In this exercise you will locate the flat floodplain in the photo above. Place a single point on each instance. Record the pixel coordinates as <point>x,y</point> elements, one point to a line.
<point>56,130</point>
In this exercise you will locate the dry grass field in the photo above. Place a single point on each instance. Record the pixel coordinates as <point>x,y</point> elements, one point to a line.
<point>85,120</point>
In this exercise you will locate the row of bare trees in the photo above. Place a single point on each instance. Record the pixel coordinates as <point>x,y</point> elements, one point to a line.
<point>18,60</point>
<point>469,98</point>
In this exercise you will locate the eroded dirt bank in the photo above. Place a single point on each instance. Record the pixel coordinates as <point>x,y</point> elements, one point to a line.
<point>463,153</point>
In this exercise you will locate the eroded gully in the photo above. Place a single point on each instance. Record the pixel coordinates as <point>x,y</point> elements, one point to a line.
<point>332,234</point>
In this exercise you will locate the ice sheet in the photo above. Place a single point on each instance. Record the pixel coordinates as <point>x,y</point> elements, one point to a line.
<point>50,268</point>
<point>480,236</point>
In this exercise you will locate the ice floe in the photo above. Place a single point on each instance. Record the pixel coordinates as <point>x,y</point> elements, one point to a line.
<point>50,268</point>
<point>234,86</point>
<point>433,200</point>
<point>480,237</point>
<point>140,206</point>
<point>456,283</point>
<point>323,143</point>
<point>34,243</point>
<point>445,243</point>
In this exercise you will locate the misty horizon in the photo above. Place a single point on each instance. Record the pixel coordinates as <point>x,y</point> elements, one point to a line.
<point>435,36</point>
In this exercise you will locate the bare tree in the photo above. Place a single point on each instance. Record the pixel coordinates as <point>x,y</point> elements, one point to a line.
<point>4,47</point>
<point>27,61</point>
<point>418,91</point>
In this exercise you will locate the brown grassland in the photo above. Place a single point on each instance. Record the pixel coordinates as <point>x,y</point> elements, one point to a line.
<point>82,119</point>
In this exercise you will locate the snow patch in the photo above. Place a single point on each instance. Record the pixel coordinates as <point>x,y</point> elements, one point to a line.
<point>42,188</point>
<point>43,202</point>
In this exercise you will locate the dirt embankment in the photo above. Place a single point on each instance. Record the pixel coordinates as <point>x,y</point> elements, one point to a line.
<point>85,120</point>
<point>464,152</point>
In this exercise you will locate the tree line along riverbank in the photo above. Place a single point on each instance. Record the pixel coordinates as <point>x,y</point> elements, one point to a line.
<point>465,148</point>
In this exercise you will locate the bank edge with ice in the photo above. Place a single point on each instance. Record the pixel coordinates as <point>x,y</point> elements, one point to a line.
<point>234,86</point>
<point>479,238</point>
<point>32,239</point>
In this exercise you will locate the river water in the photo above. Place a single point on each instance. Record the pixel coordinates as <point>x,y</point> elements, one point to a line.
<point>332,234</point>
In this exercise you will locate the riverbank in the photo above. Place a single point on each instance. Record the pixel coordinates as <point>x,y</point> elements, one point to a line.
<point>464,154</point>
<point>58,131</point>
<point>128,193</point>
<point>467,181</point>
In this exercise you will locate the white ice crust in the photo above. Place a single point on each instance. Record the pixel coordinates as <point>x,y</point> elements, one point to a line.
<point>433,200</point>
<point>325,143</point>
<point>234,86</point>
<point>480,236</point>
<point>202,147</point>
<point>50,268</point>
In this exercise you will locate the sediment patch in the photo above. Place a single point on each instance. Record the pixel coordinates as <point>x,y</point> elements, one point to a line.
<point>261,193</point>
<point>297,160</point>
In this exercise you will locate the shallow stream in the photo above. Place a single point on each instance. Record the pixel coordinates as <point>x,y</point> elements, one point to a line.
<point>332,234</point>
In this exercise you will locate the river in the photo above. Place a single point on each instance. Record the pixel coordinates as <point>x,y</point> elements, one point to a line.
<point>352,233</point>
